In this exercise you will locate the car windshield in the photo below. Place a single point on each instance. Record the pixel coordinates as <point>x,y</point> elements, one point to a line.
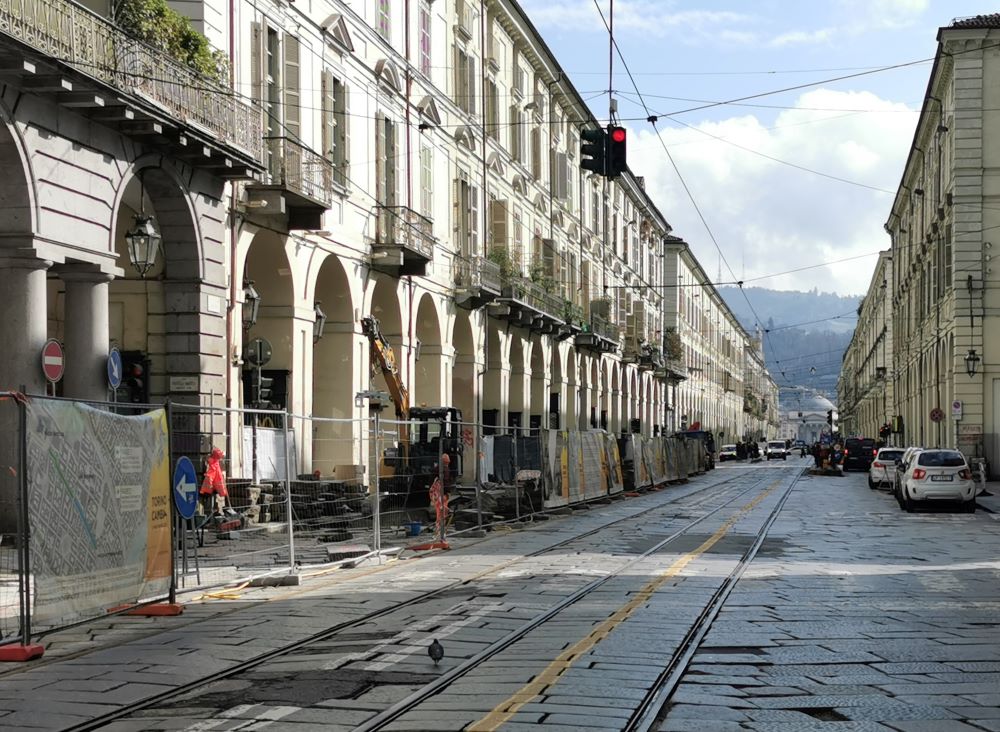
<point>933,459</point>
<point>729,448</point>
<point>776,444</point>
<point>890,454</point>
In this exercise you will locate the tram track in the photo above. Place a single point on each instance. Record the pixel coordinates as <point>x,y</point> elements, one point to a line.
<point>467,583</point>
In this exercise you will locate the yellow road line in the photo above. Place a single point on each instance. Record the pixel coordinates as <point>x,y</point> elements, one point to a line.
<point>551,674</point>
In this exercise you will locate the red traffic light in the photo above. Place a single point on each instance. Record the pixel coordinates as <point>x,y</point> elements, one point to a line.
<point>618,134</point>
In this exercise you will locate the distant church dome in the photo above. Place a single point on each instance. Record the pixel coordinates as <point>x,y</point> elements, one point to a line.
<point>807,402</point>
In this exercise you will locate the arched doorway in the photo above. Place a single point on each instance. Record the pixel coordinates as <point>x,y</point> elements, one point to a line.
<point>615,399</point>
<point>556,391</point>
<point>539,406</point>
<point>463,387</point>
<point>429,366</point>
<point>493,379</point>
<point>333,377</point>
<point>594,417</point>
<point>385,308</point>
<point>572,391</point>
<point>515,402</point>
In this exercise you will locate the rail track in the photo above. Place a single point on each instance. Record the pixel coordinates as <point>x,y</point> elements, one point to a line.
<point>709,500</point>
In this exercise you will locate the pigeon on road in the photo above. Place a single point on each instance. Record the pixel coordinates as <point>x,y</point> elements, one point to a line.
<point>436,651</point>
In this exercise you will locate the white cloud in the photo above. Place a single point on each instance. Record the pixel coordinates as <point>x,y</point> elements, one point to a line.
<point>769,218</point>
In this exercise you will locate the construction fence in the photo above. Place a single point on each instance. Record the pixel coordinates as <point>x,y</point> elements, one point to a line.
<point>98,515</point>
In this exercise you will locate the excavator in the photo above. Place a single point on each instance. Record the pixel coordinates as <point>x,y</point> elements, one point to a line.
<point>427,432</point>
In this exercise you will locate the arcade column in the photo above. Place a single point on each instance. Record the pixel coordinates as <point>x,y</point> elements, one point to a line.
<point>87,332</point>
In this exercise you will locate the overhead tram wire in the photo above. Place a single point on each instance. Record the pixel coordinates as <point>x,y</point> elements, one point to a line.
<point>652,120</point>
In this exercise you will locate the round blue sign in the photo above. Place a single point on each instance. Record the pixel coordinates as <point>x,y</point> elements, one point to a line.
<point>185,488</point>
<point>115,368</point>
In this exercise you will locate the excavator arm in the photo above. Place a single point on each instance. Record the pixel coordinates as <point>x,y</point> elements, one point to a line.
<point>383,358</point>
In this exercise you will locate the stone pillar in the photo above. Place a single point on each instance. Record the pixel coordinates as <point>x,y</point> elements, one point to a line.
<point>87,333</point>
<point>23,330</point>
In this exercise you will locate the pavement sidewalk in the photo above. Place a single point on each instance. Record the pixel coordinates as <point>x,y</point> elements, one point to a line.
<point>990,500</point>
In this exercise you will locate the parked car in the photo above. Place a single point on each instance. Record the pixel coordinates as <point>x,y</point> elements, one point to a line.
<point>883,467</point>
<point>937,475</point>
<point>859,453</point>
<point>728,452</point>
<point>776,449</point>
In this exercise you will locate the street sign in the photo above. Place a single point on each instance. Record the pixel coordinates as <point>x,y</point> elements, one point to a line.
<point>956,409</point>
<point>185,487</point>
<point>53,362</point>
<point>114,368</point>
<point>936,414</point>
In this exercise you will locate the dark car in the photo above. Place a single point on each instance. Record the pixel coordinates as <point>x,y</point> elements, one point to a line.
<point>859,453</point>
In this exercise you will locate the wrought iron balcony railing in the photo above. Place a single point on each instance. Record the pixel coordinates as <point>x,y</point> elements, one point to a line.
<point>478,273</point>
<point>601,327</point>
<point>300,170</point>
<point>400,226</point>
<point>95,47</point>
<point>526,292</point>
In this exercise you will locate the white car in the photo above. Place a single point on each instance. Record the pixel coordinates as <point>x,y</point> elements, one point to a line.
<point>728,452</point>
<point>937,475</point>
<point>776,449</point>
<point>883,469</point>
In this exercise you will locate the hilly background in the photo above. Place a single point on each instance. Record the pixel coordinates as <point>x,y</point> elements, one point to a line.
<point>806,333</point>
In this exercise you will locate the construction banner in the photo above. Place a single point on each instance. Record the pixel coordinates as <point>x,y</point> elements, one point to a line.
<point>98,509</point>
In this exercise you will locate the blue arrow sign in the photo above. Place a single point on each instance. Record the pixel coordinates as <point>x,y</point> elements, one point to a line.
<point>185,488</point>
<point>115,368</point>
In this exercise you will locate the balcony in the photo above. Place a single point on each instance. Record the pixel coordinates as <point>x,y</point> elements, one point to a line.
<point>299,186</point>
<point>478,282</point>
<point>60,51</point>
<point>673,371</point>
<point>404,242</point>
<point>650,358</point>
<point>598,336</point>
<point>526,303</point>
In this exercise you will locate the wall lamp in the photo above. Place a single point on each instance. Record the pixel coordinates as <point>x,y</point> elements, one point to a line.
<point>251,305</point>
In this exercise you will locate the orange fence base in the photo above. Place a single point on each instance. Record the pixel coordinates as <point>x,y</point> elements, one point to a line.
<point>429,546</point>
<point>18,653</point>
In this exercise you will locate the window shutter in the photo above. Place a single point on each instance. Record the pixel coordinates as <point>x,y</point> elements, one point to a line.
<point>456,212</point>
<point>380,160</point>
<point>536,153</point>
<point>390,163</point>
<point>342,99</point>
<point>473,220</point>
<point>498,224</point>
<point>292,88</point>
<point>257,64</point>
<point>471,104</point>
<point>329,120</point>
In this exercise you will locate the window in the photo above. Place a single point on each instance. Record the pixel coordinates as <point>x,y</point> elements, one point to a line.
<point>384,14</point>
<point>536,153</point>
<point>516,134</point>
<point>385,162</point>
<point>465,80</point>
<point>425,39</point>
<point>466,214</point>
<point>336,134</point>
<point>498,224</point>
<point>492,109</point>
<point>427,181</point>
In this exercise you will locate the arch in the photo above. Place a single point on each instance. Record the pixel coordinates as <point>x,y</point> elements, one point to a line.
<point>595,386</point>
<point>573,395</point>
<point>493,380</point>
<point>516,399</point>
<point>556,391</point>
<point>428,387</point>
<point>335,357</point>
<point>464,380</point>
<point>385,307</point>
<point>18,214</point>
<point>539,406</point>
<point>615,397</point>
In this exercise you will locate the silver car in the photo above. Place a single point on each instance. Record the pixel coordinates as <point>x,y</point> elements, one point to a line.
<point>937,475</point>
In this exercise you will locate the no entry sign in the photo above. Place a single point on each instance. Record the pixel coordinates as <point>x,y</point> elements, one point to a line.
<point>53,362</point>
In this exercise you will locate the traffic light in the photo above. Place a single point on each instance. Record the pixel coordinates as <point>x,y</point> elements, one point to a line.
<point>135,382</point>
<point>260,389</point>
<point>593,147</point>
<point>617,138</point>
<point>829,417</point>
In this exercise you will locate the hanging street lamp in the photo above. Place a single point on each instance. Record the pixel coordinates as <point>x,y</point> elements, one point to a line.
<point>251,305</point>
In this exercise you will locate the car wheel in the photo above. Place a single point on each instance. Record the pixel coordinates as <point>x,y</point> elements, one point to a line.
<point>969,506</point>
<point>909,505</point>
<point>872,484</point>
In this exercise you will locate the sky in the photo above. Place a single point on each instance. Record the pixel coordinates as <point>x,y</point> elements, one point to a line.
<point>795,179</point>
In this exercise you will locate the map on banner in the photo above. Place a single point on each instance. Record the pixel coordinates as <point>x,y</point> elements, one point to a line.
<point>98,507</point>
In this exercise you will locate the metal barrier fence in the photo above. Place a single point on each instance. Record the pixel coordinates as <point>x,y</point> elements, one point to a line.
<point>269,493</point>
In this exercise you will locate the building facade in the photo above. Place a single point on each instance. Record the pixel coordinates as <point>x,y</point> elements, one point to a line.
<point>411,161</point>
<point>943,379</point>
<point>865,386</point>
